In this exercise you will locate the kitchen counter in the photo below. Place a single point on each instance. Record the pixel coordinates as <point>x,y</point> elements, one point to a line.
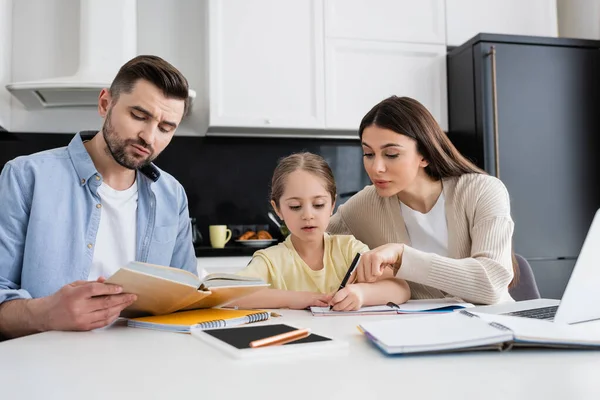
<point>223,264</point>
<point>227,251</point>
<point>231,249</point>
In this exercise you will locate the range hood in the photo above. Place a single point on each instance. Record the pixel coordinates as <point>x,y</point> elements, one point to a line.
<point>103,49</point>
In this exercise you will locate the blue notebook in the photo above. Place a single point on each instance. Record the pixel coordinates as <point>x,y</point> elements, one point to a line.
<point>410,307</point>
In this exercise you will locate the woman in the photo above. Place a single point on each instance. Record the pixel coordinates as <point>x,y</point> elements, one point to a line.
<point>441,223</point>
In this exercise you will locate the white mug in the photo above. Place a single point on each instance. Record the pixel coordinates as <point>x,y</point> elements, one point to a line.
<point>219,235</point>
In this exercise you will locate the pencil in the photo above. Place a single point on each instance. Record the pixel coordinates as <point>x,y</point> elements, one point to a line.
<point>282,338</point>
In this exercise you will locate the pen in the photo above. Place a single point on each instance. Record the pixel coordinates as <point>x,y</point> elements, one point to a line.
<point>282,338</point>
<point>350,271</point>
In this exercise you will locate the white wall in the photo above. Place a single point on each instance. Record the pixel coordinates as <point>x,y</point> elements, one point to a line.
<point>5,50</point>
<point>46,45</point>
<point>466,18</point>
<point>579,19</point>
<point>176,31</point>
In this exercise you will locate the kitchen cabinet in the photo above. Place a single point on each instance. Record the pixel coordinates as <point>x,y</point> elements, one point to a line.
<point>412,21</point>
<point>359,74</point>
<point>5,57</point>
<point>466,18</point>
<point>266,63</point>
<point>276,64</point>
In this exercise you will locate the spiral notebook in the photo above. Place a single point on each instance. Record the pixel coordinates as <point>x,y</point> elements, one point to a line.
<point>463,330</point>
<point>210,318</point>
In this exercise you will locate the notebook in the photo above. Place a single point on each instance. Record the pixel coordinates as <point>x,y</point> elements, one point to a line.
<point>235,342</point>
<point>464,330</point>
<point>164,290</point>
<point>211,318</point>
<point>410,307</point>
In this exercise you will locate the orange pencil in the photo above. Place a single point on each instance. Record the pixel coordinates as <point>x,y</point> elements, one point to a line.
<point>282,338</point>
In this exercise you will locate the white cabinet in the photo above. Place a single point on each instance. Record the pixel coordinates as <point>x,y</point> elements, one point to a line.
<point>466,18</point>
<point>5,63</point>
<point>266,63</point>
<point>359,74</point>
<point>416,21</point>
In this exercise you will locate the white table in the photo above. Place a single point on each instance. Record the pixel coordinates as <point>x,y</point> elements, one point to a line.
<point>126,363</point>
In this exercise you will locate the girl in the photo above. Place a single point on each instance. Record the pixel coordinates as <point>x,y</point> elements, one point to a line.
<point>308,267</point>
<point>446,223</point>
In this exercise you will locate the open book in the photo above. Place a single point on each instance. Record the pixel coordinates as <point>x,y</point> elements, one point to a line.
<point>464,330</point>
<point>163,290</point>
<point>410,307</point>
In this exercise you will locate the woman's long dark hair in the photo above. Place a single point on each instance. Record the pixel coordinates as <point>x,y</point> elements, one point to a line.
<point>408,117</point>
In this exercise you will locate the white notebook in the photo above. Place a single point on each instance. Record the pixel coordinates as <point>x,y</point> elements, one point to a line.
<point>410,307</point>
<point>470,331</point>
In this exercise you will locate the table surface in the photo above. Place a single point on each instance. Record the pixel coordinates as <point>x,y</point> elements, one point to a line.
<point>121,362</point>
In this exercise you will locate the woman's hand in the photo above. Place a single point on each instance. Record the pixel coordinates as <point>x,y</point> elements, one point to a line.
<point>350,298</point>
<point>373,263</point>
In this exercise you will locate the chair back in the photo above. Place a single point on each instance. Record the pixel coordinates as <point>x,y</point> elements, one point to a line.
<point>526,287</point>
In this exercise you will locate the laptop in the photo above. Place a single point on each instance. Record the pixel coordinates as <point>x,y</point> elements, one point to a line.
<point>581,299</point>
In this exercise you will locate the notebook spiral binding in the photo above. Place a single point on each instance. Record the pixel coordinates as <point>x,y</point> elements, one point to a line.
<point>499,326</point>
<point>468,314</point>
<point>221,323</point>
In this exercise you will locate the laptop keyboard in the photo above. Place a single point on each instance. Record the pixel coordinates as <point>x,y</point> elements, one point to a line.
<point>546,313</point>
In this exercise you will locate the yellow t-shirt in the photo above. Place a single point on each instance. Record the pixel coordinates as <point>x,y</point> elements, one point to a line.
<point>283,268</point>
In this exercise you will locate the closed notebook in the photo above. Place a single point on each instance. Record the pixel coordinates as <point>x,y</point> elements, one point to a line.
<point>461,331</point>
<point>235,342</point>
<point>410,307</point>
<point>211,318</point>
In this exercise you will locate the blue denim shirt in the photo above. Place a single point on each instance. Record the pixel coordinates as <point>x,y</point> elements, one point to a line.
<point>49,220</point>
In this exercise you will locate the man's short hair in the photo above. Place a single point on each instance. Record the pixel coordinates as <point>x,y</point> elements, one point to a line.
<point>154,70</point>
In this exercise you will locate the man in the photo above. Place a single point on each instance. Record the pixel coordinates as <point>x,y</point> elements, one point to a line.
<point>70,217</point>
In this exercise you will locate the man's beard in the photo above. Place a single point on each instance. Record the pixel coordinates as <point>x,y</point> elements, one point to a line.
<point>117,147</point>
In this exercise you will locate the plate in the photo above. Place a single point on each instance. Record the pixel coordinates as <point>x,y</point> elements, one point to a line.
<point>257,242</point>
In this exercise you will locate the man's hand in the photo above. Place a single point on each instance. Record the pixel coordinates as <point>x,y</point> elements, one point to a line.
<point>350,298</point>
<point>83,306</point>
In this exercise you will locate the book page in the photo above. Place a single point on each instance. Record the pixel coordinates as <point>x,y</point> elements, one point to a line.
<point>231,277</point>
<point>368,310</point>
<point>216,280</point>
<point>534,331</point>
<point>446,304</point>
<point>223,296</point>
<point>168,273</point>
<point>155,294</point>
<point>432,333</point>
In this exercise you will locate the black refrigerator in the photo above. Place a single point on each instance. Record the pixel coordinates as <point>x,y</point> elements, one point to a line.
<point>527,109</point>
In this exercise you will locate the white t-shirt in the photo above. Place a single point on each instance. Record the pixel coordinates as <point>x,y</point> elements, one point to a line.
<point>116,239</point>
<point>428,232</point>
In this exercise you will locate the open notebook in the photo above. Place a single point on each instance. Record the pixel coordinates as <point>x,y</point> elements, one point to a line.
<point>410,307</point>
<point>162,290</point>
<point>464,330</point>
<point>211,318</point>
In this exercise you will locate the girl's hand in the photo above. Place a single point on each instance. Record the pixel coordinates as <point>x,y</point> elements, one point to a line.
<point>350,298</point>
<point>304,300</point>
<point>374,262</point>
